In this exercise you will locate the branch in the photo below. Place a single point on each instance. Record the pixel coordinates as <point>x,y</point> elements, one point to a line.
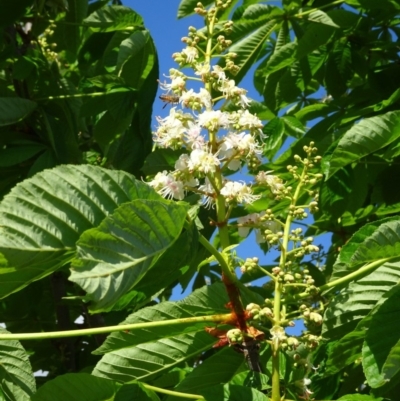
<point>122,327</point>
<point>173,393</point>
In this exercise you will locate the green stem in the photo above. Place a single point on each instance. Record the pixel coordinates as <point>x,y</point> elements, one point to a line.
<point>222,262</point>
<point>276,395</point>
<point>334,3</point>
<point>174,393</point>
<point>122,327</point>
<point>77,95</point>
<point>350,277</point>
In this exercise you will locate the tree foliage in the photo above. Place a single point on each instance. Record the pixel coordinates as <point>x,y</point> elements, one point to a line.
<point>90,254</point>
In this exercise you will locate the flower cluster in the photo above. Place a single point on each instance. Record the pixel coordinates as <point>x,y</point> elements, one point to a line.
<point>213,141</point>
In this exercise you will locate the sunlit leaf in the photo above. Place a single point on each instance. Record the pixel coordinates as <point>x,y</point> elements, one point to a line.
<point>17,382</point>
<point>381,350</point>
<point>219,368</point>
<point>52,209</point>
<point>355,302</point>
<point>322,18</point>
<point>232,392</point>
<point>186,7</point>
<point>113,257</point>
<point>113,18</point>
<point>144,354</point>
<point>364,138</point>
<point>77,387</point>
<point>248,49</point>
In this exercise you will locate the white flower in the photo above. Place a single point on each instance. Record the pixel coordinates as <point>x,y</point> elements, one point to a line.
<point>203,161</point>
<point>250,121</point>
<point>274,182</point>
<point>170,132</point>
<point>209,193</point>
<point>182,164</point>
<point>213,119</point>
<point>255,220</point>
<point>219,73</point>
<point>165,184</point>
<point>196,100</point>
<point>194,139</point>
<point>278,334</point>
<point>238,192</point>
<point>228,88</point>
<point>244,120</point>
<point>177,85</point>
<point>202,69</point>
<point>244,101</point>
<point>302,385</point>
<point>191,54</point>
<point>205,98</point>
<point>242,144</point>
<point>231,91</point>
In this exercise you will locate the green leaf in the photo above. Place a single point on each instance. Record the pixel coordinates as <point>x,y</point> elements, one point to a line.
<point>17,153</point>
<point>113,257</point>
<point>14,109</point>
<point>364,138</point>
<point>274,130</point>
<point>348,349</point>
<point>321,18</point>
<point>381,350</point>
<point>248,49</point>
<point>356,301</point>
<point>76,12</point>
<point>315,36</point>
<point>113,18</point>
<point>232,392</point>
<point>16,377</point>
<point>373,241</point>
<point>359,397</point>
<point>186,7</point>
<point>293,126</point>
<point>135,391</point>
<point>12,10</point>
<point>136,58</point>
<point>281,58</point>
<point>338,69</point>
<point>77,387</point>
<point>161,159</point>
<point>42,218</point>
<point>219,368</point>
<point>145,354</point>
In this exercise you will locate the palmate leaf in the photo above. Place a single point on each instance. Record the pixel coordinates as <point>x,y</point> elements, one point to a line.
<point>364,138</point>
<point>219,368</point>
<point>77,11</point>
<point>381,349</point>
<point>17,382</point>
<point>376,240</point>
<point>77,387</point>
<point>15,109</point>
<point>248,49</point>
<point>42,218</point>
<point>114,256</point>
<point>358,299</point>
<point>186,7</point>
<point>147,353</point>
<point>359,397</point>
<point>113,18</point>
<point>232,392</point>
<point>346,350</point>
<point>85,387</point>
